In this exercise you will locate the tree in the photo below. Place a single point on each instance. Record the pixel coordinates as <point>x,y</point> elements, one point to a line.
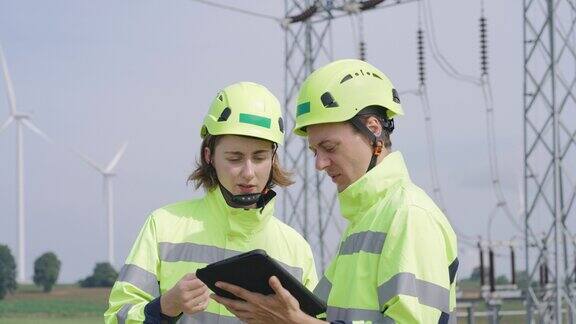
<point>46,270</point>
<point>502,280</point>
<point>522,280</point>
<point>7,272</point>
<point>475,275</point>
<point>104,276</point>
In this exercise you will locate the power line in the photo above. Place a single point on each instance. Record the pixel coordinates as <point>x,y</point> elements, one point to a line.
<point>433,169</point>
<point>492,154</point>
<point>422,94</point>
<point>483,82</point>
<point>238,10</point>
<point>426,12</point>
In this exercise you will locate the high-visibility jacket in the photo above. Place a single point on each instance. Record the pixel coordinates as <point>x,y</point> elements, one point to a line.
<point>183,237</point>
<point>397,259</point>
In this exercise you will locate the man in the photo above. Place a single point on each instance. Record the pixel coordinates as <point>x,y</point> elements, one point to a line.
<point>397,259</point>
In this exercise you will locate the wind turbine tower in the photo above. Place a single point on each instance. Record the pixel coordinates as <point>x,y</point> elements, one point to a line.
<point>108,174</point>
<point>21,120</point>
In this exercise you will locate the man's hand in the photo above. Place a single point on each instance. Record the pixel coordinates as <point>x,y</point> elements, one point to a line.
<point>189,295</point>
<point>279,308</point>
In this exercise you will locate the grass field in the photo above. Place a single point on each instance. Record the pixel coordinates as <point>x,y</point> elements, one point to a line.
<point>68,304</point>
<point>55,320</point>
<point>64,304</point>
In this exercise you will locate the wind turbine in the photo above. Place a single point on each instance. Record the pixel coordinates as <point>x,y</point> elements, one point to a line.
<point>22,120</point>
<point>107,174</point>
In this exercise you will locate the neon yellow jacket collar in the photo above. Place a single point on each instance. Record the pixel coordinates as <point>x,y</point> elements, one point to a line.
<point>239,221</point>
<point>372,186</point>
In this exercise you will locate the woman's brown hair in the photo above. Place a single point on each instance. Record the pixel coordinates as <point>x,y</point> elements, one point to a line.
<point>205,174</point>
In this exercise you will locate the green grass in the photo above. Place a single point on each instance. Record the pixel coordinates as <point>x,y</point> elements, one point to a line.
<point>68,304</point>
<point>60,307</point>
<point>74,320</point>
<point>65,304</point>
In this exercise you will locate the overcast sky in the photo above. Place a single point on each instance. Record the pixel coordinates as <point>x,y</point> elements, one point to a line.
<point>95,74</point>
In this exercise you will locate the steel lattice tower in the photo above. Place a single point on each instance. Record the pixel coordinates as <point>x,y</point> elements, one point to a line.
<point>550,158</point>
<point>305,205</point>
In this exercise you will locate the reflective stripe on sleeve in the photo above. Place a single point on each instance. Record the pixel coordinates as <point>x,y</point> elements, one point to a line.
<point>405,283</point>
<point>192,252</point>
<point>353,314</point>
<point>122,314</point>
<point>323,288</point>
<point>370,242</point>
<point>140,278</point>
<point>207,317</point>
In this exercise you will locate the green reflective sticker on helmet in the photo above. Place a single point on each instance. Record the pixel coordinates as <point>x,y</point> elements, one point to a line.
<point>255,120</point>
<point>303,108</point>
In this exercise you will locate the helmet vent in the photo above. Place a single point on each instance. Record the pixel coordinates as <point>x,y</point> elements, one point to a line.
<point>328,101</point>
<point>395,96</point>
<point>225,114</point>
<point>220,98</point>
<point>346,78</point>
<point>281,124</point>
<point>376,75</point>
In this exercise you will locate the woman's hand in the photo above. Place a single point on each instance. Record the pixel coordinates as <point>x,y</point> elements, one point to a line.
<point>189,295</point>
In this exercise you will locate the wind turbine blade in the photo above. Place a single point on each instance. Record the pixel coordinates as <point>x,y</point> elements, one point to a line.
<point>88,161</point>
<point>8,83</point>
<point>37,130</point>
<point>116,158</point>
<point>6,123</point>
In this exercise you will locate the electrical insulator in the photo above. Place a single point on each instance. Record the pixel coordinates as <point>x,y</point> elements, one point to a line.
<point>304,15</point>
<point>482,275</point>
<point>492,281</point>
<point>546,272</point>
<point>483,47</point>
<point>513,264</point>
<point>369,4</point>
<point>420,55</point>
<point>362,50</point>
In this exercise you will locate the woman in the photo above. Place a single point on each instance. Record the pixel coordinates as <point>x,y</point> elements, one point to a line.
<point>238,167</point>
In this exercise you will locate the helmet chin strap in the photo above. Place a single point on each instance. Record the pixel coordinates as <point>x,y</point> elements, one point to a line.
<point>377,144</point>
<point>247,200</point>
<point>240,201</point>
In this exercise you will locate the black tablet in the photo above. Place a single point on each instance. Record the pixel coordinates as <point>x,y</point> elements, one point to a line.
<point>251,271</point>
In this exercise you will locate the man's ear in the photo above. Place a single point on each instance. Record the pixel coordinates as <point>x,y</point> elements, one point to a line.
<point>374,125</point>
